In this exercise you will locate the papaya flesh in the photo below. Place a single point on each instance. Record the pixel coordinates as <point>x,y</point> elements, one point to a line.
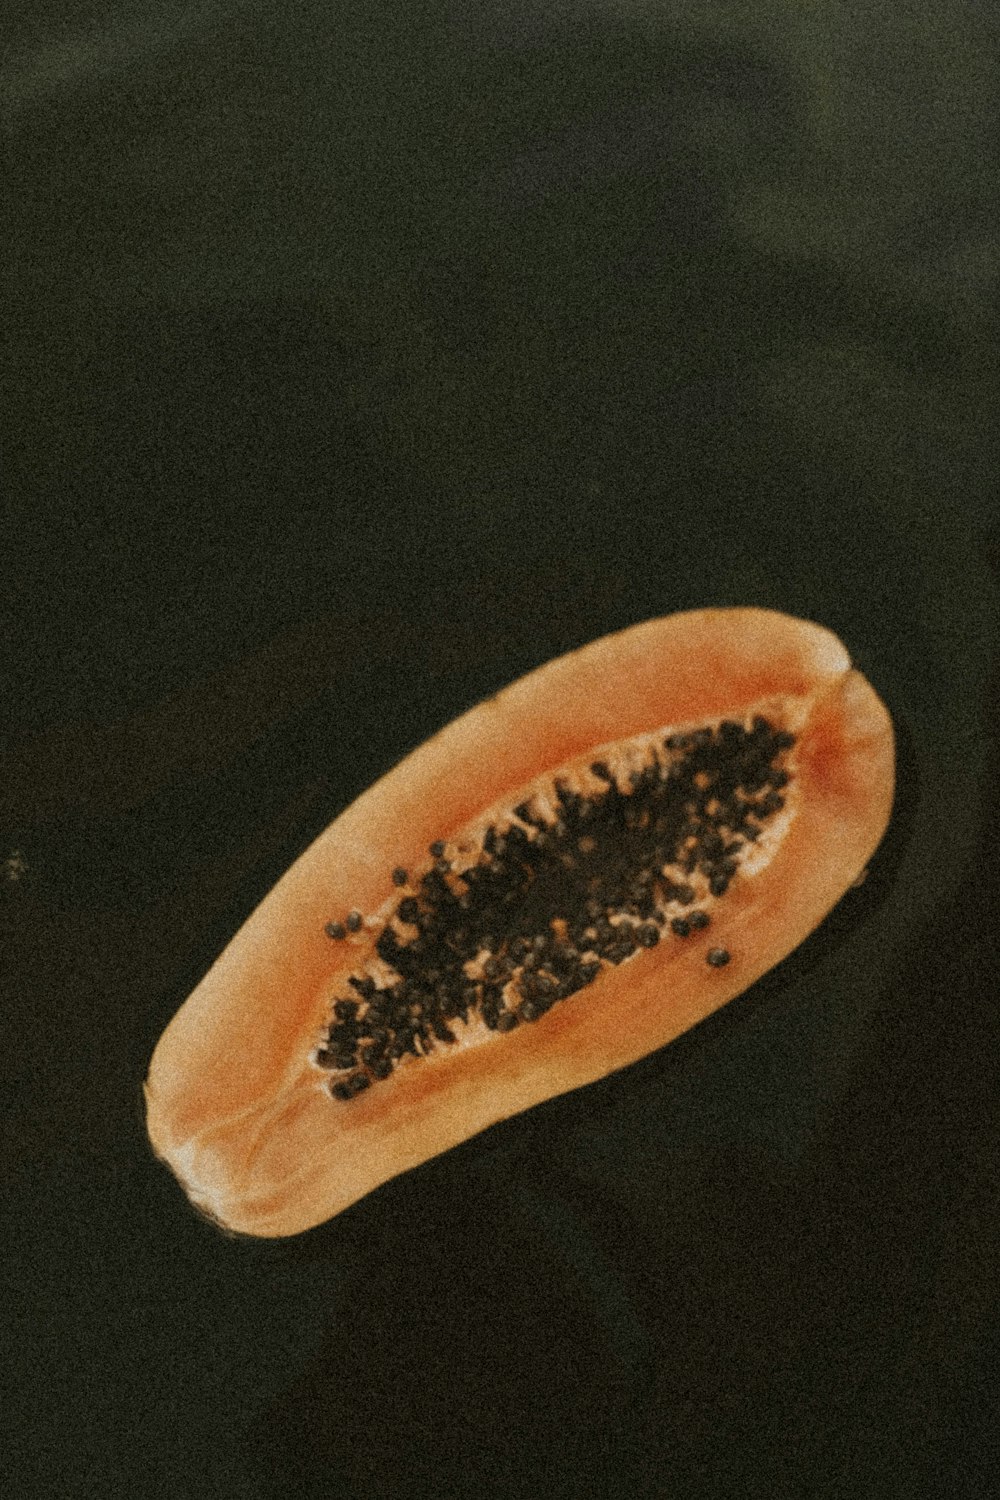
<point>562,880</point>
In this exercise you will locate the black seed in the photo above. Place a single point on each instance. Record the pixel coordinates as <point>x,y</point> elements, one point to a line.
<point>326,1059</point>
<point>717,957</point>
<point>600,770</point>
<point>409,910</point>
<point>772,803</point>
<point>399,876</point>
<point>437,848</point>
<point>577,934</point>
<point>359,1082</point>
<point>345,1033</point>
<point>493,968</point>
<point>441,1031</point>
<point>648,935</point>
<point>506,1021</point>
<point>531,1010</point>
<point>388,945</point>
<point>783,740</point>
<point>364,986</point>
<point>490,1008</point>
<point>527,814</point>
<point>712,845</point>
<point>381,1068</point>
<point>341,1091</point>
<point>405,1041</point>
<point>780,778</point>
<point>346,1010</point>
<point>335,930</point>
<point>563,956</point>
<point>719,883</point>
<point>353,921</point>
<point>698,919</point>
<point>681,926</point>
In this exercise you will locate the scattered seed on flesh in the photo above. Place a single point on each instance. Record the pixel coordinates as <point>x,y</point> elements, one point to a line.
<point>551,901</point>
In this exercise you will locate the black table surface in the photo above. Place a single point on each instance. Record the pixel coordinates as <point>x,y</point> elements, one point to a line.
<point>360,359</point>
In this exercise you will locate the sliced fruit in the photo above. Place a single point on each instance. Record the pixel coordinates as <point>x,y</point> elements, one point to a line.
<point>562,880</point>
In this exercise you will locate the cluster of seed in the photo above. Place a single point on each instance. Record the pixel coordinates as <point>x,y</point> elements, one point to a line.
<point>551,900</point>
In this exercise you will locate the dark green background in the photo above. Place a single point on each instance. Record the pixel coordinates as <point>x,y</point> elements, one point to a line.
<point>360,359</point>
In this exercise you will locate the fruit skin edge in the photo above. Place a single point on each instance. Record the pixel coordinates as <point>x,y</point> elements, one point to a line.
<point>232,1100</point>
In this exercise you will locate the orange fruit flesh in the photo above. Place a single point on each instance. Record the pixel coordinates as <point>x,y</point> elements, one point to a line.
<point>236,1104</point>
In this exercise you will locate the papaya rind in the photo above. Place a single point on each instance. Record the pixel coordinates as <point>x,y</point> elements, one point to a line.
<point>235,1105</point>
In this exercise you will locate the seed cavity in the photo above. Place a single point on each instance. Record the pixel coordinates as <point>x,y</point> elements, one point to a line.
<point>570,884</point>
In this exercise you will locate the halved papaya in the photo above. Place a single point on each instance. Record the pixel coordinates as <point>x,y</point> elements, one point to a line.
<point>564,879</point>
